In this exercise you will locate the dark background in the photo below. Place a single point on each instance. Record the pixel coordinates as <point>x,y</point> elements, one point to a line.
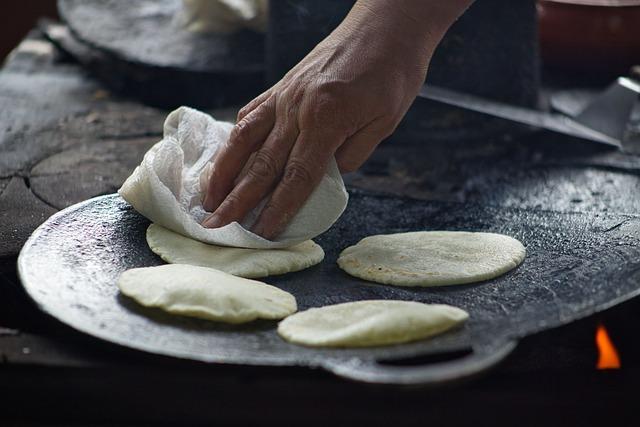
<point>18,17</point>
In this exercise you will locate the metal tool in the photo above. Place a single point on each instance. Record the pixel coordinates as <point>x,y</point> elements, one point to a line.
<point>604,120</point>
<point>577,264</point>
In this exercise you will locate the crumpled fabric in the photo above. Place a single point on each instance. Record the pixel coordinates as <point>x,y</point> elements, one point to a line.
<point>224,16</point>
<point>167,188</point>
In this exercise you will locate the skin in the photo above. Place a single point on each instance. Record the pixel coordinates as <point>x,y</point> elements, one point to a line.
<point>346,96</point>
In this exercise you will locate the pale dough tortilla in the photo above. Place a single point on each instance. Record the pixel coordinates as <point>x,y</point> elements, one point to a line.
<point>432,258</point>
<point>369,323</point>
<point>206,293</point>
<point>250,263</point>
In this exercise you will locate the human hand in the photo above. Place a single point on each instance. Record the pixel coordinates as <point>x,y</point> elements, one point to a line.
<point>341,100</point>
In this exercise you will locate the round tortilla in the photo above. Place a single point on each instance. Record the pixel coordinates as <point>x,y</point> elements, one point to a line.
<point>369,323</point>
<point>432,258</point>
<point>175,248</point>
<point>205,293</point>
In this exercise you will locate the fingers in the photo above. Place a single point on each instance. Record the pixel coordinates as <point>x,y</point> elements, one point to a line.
<point>304,170</point>
<point>245,138</point>
<point>358,148</point>
<point>258,181</point>
<point>255,102</point>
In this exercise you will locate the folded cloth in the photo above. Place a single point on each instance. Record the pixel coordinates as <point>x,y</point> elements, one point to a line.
<point>166,187</point>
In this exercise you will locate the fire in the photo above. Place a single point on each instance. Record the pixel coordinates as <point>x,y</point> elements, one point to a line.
<point>607,354</point>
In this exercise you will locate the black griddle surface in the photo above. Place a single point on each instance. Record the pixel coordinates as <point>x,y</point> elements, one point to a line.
<point>151,32</point>
<point>141,50</point>
<point>576,264</point>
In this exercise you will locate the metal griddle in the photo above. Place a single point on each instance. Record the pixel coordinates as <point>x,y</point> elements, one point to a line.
<point>148,31</point>
<point>576,264</point>
<point>141,49</point>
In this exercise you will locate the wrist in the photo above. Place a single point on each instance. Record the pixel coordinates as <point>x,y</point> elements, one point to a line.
<point>411,23</point>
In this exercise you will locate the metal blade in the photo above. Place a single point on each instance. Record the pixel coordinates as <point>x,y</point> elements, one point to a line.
<point>609,112</point>
<point>539,119</point>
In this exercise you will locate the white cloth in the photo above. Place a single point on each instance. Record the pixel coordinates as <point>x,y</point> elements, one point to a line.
<point>166,187</point>
<point>224,16</point>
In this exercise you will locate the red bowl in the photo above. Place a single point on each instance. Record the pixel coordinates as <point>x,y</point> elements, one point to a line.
<point>599,35</point>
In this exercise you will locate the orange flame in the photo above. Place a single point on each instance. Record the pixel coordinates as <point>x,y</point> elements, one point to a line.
<point>607,354</point>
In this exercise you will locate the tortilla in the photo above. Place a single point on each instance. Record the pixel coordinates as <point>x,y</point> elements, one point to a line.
<point>432,258</point>
<point>369,323</point>
<point>250,263</point>
<point>205,293</point>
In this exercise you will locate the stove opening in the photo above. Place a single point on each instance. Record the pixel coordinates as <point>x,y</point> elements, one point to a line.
<point>607,353</point>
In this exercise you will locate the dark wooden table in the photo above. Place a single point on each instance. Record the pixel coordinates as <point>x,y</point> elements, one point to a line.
<point>64,138</point>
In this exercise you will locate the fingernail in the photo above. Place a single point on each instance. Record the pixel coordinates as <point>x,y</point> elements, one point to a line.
<point>213,221</point>
<point>208,205</point>
<point>205,177</point>
<point>203,199</point>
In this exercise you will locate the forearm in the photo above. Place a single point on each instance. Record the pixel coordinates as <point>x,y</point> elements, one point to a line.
<point>412,23</point>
